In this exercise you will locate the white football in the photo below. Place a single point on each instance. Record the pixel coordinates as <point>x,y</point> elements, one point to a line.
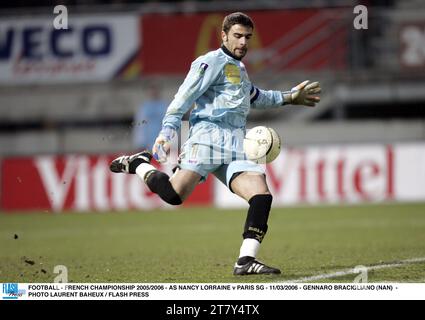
<point>262,144</point>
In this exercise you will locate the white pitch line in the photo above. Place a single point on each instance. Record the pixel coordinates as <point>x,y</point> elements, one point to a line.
<point>357,270</point>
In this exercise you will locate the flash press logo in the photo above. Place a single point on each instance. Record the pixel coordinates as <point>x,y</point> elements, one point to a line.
<point>11,291</point>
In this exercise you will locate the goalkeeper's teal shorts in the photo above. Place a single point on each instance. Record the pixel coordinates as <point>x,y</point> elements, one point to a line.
<point>218,150</point>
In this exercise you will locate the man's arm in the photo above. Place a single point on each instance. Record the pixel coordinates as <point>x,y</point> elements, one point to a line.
<point>202,73</point>
<point>305,94</point>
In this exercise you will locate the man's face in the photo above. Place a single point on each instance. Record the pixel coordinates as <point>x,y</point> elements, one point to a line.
<point>237,39</point>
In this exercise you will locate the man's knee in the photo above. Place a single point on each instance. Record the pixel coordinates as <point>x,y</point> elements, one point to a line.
<point>184,182</point>
<point>159,183</point>
<point>248,184</point>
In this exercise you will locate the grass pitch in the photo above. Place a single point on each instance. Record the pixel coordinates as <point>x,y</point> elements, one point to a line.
<point>201,245</point>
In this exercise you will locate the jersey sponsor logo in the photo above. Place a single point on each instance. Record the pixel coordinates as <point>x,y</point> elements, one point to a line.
<point>232,73</point>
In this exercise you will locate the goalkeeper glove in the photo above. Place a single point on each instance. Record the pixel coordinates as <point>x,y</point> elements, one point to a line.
<point>162,145</point>
<point>303,94</point>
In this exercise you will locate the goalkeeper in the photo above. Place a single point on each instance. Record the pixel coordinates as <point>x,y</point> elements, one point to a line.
<point>218,85</point>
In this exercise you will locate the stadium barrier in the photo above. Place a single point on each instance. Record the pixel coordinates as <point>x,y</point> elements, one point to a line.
<point>79,183</point>
<point>335,174</point>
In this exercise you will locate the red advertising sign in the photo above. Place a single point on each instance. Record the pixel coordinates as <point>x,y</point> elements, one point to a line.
<point>310,175</point>
<point>78,182</point>
<point>342,174</point>
<point>290,39</point>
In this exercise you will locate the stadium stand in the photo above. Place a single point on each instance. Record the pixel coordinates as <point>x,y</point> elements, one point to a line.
<point>375,97</point>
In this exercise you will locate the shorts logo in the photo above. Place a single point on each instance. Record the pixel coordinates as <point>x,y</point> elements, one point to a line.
<point>232,73</point>
<point>193,152</point>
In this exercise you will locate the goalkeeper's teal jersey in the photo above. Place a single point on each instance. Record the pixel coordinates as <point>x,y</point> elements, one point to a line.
<point>219,86</point>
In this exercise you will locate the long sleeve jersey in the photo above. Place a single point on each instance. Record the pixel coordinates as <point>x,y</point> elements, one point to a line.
<point>219,86</point>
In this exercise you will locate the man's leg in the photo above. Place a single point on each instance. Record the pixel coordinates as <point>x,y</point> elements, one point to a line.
<point>173,191</point>
<point>252,187</point>
<point>180,185</point>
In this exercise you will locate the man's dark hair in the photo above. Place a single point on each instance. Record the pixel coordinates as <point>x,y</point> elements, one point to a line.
<point>236,18</point>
